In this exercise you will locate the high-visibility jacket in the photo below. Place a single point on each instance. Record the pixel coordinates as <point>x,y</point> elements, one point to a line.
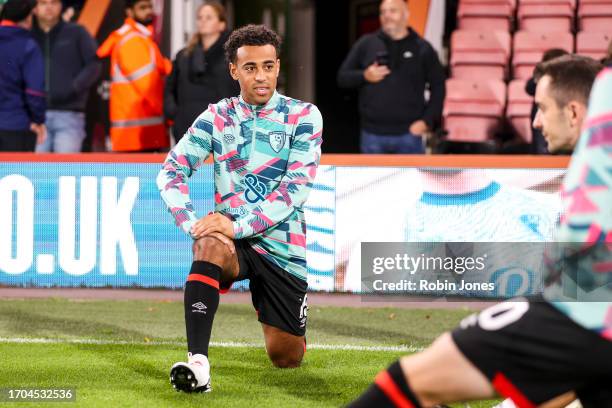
<point>137,87</point>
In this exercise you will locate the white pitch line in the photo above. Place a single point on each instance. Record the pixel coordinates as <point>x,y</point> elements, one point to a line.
<point>225,344</point>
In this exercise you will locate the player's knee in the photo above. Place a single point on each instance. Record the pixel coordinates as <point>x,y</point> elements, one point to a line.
<point>207,249</point>
<point>419,388</point>
<point>286,362</point>
<point>428,399</point>
<point>284,358</point>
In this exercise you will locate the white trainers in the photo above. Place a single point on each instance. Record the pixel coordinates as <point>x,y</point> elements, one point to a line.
<point>193,376</point>
<point>507,403</point>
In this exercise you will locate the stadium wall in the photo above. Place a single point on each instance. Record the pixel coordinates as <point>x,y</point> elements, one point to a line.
<point>96,220</point>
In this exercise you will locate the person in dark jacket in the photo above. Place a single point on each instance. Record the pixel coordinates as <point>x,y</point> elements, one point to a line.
<point>392,68</point>
<point>22,97</point>
<point>71,68</point>
<point>200,75</point>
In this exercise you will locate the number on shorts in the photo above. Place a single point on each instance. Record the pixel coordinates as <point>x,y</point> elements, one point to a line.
<point>502,314</point>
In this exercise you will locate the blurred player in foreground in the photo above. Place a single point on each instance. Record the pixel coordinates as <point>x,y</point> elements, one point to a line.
<point>266,149</point>
<point>562,92</point>
<point>542,352</point>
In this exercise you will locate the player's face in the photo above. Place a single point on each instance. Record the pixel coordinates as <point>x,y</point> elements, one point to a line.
<point>48,10</point>
<point>393,15</point>
<point>142,12</point>
<point>560,126</point>
<point>256,69</point>
<point>208,21</point>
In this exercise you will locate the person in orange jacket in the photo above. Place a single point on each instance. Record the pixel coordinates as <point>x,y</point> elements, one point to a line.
<point>137,82</point>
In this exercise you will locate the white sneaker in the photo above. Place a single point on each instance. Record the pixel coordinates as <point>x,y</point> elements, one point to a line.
<point>193,376</point>
<point>507,403</point>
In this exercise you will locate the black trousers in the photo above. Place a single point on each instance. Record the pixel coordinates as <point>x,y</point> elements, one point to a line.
<point>17,141</point>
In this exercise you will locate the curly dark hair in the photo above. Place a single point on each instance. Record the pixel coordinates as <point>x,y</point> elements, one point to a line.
<point>250,35</point>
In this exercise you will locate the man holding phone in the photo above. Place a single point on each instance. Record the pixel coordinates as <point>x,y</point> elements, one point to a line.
<point>392,68</point>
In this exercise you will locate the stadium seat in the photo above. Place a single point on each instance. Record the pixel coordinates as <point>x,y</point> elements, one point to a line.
<point>546,17</point>
<point>593,44</point>
<point>484,16</point>
<point>529,47</point>
<point>595,17</point>
<point>518,111</point>
<point>480,54</point>
<point>473,109</point>
<point>572,3</point>
<point>511,3</point>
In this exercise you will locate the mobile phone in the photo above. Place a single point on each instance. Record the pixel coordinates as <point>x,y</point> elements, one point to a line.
<point>382,58</point>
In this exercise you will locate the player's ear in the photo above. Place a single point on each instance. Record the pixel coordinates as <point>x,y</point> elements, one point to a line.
<point>576,113</point>
<point>233,69</point>
<point>277,67</point>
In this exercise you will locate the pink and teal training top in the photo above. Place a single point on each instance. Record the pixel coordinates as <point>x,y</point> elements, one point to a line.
<point>585,233</point>
<point>265,161</point>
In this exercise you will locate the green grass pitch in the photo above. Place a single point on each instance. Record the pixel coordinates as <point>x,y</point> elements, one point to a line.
<point>118,353</point>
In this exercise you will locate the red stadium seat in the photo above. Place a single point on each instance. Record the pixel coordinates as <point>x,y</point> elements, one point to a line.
<point>473,109</point>
<point>595,17</point>
<point>518,111</point>
<point>572,3</point>
<point>546,17</point>
<point>480,54</point>
<point>473,71</point>
<point>511,3</point>
<point>529,47</point>
<point>485,16</point>
<point>593,44</point>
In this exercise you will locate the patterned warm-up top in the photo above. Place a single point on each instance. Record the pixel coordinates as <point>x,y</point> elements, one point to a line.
<point>265,160</point>
<point>582,269</point>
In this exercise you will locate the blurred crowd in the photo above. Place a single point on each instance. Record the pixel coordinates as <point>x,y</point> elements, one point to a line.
<point>50,64</point>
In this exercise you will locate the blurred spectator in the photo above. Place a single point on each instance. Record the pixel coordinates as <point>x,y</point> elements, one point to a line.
<point>200,74</point>
<point>137,82</point>
<point>71,68</point>
<point>538,144</point>
<point>391,68</point>
<point>22,97</point>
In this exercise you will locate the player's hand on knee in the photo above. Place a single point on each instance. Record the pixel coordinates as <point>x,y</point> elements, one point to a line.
<point>197,230</point>
<point>215,222</point>
<point>228,242</point>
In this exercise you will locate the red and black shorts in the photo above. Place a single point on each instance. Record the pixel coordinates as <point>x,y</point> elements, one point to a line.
<point>532,353</point>
<point>278,297</point>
